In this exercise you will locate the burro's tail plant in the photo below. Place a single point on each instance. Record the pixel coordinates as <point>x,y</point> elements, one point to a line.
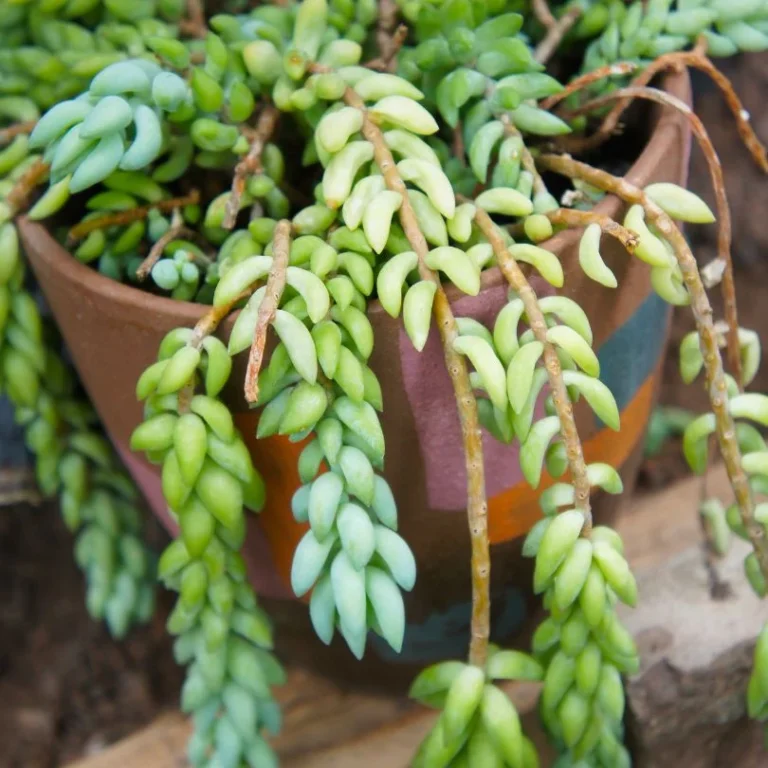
<point>291,163</point>
<point>98,501</point>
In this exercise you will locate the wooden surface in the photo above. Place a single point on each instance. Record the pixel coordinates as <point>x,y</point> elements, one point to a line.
<point>327,728</point>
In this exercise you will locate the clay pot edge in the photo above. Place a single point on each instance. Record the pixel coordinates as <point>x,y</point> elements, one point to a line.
<point>137,300</point>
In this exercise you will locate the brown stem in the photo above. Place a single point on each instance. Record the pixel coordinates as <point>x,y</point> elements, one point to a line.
<point>211,320</point>
<point>204,327</point>
<point>281,247</point>
<point>389,63</point>
<point>584,81</point>
<point>385,24</point>
<point>723,210</point>
<point>177,229</point>
<point>543,14</point>
<point>122,218</point>
<point>477,507</point>
<point>697,60</point>
<point>518,282</point>
<point>702,312</point>
<point>186,393</point>
<point>459,150</point>
<point>526,159</point>
<point>388,39</point>
<point>18,198</point>
<point>194,25</point>
<point>251,163</point>
<point>12,131</point>
<point>398,41</point>
<point>555,34</point>
<point>571,218</point>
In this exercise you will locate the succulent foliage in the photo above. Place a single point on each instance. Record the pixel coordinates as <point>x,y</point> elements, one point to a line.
<point>296,161</point>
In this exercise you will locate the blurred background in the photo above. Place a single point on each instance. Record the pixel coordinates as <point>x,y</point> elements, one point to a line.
<point>67,689</point>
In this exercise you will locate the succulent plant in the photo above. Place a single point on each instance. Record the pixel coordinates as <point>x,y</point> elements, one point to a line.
<point>293,162</point>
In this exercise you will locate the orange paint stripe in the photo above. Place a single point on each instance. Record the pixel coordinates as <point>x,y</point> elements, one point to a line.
<point>277,460</point>
<point>510,513</point>
<point>513,512</point>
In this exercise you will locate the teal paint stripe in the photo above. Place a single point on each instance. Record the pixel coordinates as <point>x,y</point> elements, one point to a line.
<point>446,634</point>
<point>627,358</point>
<point>630,355</point>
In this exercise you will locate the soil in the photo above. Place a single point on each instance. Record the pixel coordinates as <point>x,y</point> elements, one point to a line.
<point>67,689</point>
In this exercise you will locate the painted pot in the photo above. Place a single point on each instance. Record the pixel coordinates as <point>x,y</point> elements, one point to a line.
<point>113,332</point>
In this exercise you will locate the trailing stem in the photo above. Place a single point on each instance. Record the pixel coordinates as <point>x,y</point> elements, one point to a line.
<point>526,158</point>
<point>702,312</point>
<point>281,248</point>
<point>389,38</point>
<point>724,233</point>
<point>211,320</point>
<point>12,131</point>
<point>572,218</point>
<point>477,507</point>
<point>195,25</point>
<point>555,34</point>
<point>175,231</point>
<point>584,81</point>
<point>694,59</point>
<point>543,13</point>
<point>123,218</point>
<point>385,25</point>
<point>251,163</point>
<point>18,198</point>
<point>204,327</point>
<point>458,146</point>
<point>518,282</point>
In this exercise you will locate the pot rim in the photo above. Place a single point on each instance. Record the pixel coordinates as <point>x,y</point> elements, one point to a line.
<point>667,123</point>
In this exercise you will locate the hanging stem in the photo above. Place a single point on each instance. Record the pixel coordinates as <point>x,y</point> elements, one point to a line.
<point>543,14</point>
<point>194,25</point>
<point>251,163</point>
<point>12,131</point>
<point>176,230</point>
<point>385,25</point>
<point>281,247</point>
<point>555,34</point>
<point>721,198</point>
<point>562,402</point>
<point>571,218</point>
<point>526,158</point>
<point>697,60</point>
<point>389,40</point>
<point>477,507</point>
<point>204,327</point>
<point>18,198</point>
<point>457,145</point>
<point>702,312</point>
<point>388,63</point>
<point>211,320</point>
<point>584,81</point>
<point>123,218</point>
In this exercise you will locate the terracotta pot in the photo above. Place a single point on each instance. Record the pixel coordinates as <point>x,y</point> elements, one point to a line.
<point>113,332</point>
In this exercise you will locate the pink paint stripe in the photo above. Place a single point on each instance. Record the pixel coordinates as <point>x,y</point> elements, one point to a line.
<point>430,395</point>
